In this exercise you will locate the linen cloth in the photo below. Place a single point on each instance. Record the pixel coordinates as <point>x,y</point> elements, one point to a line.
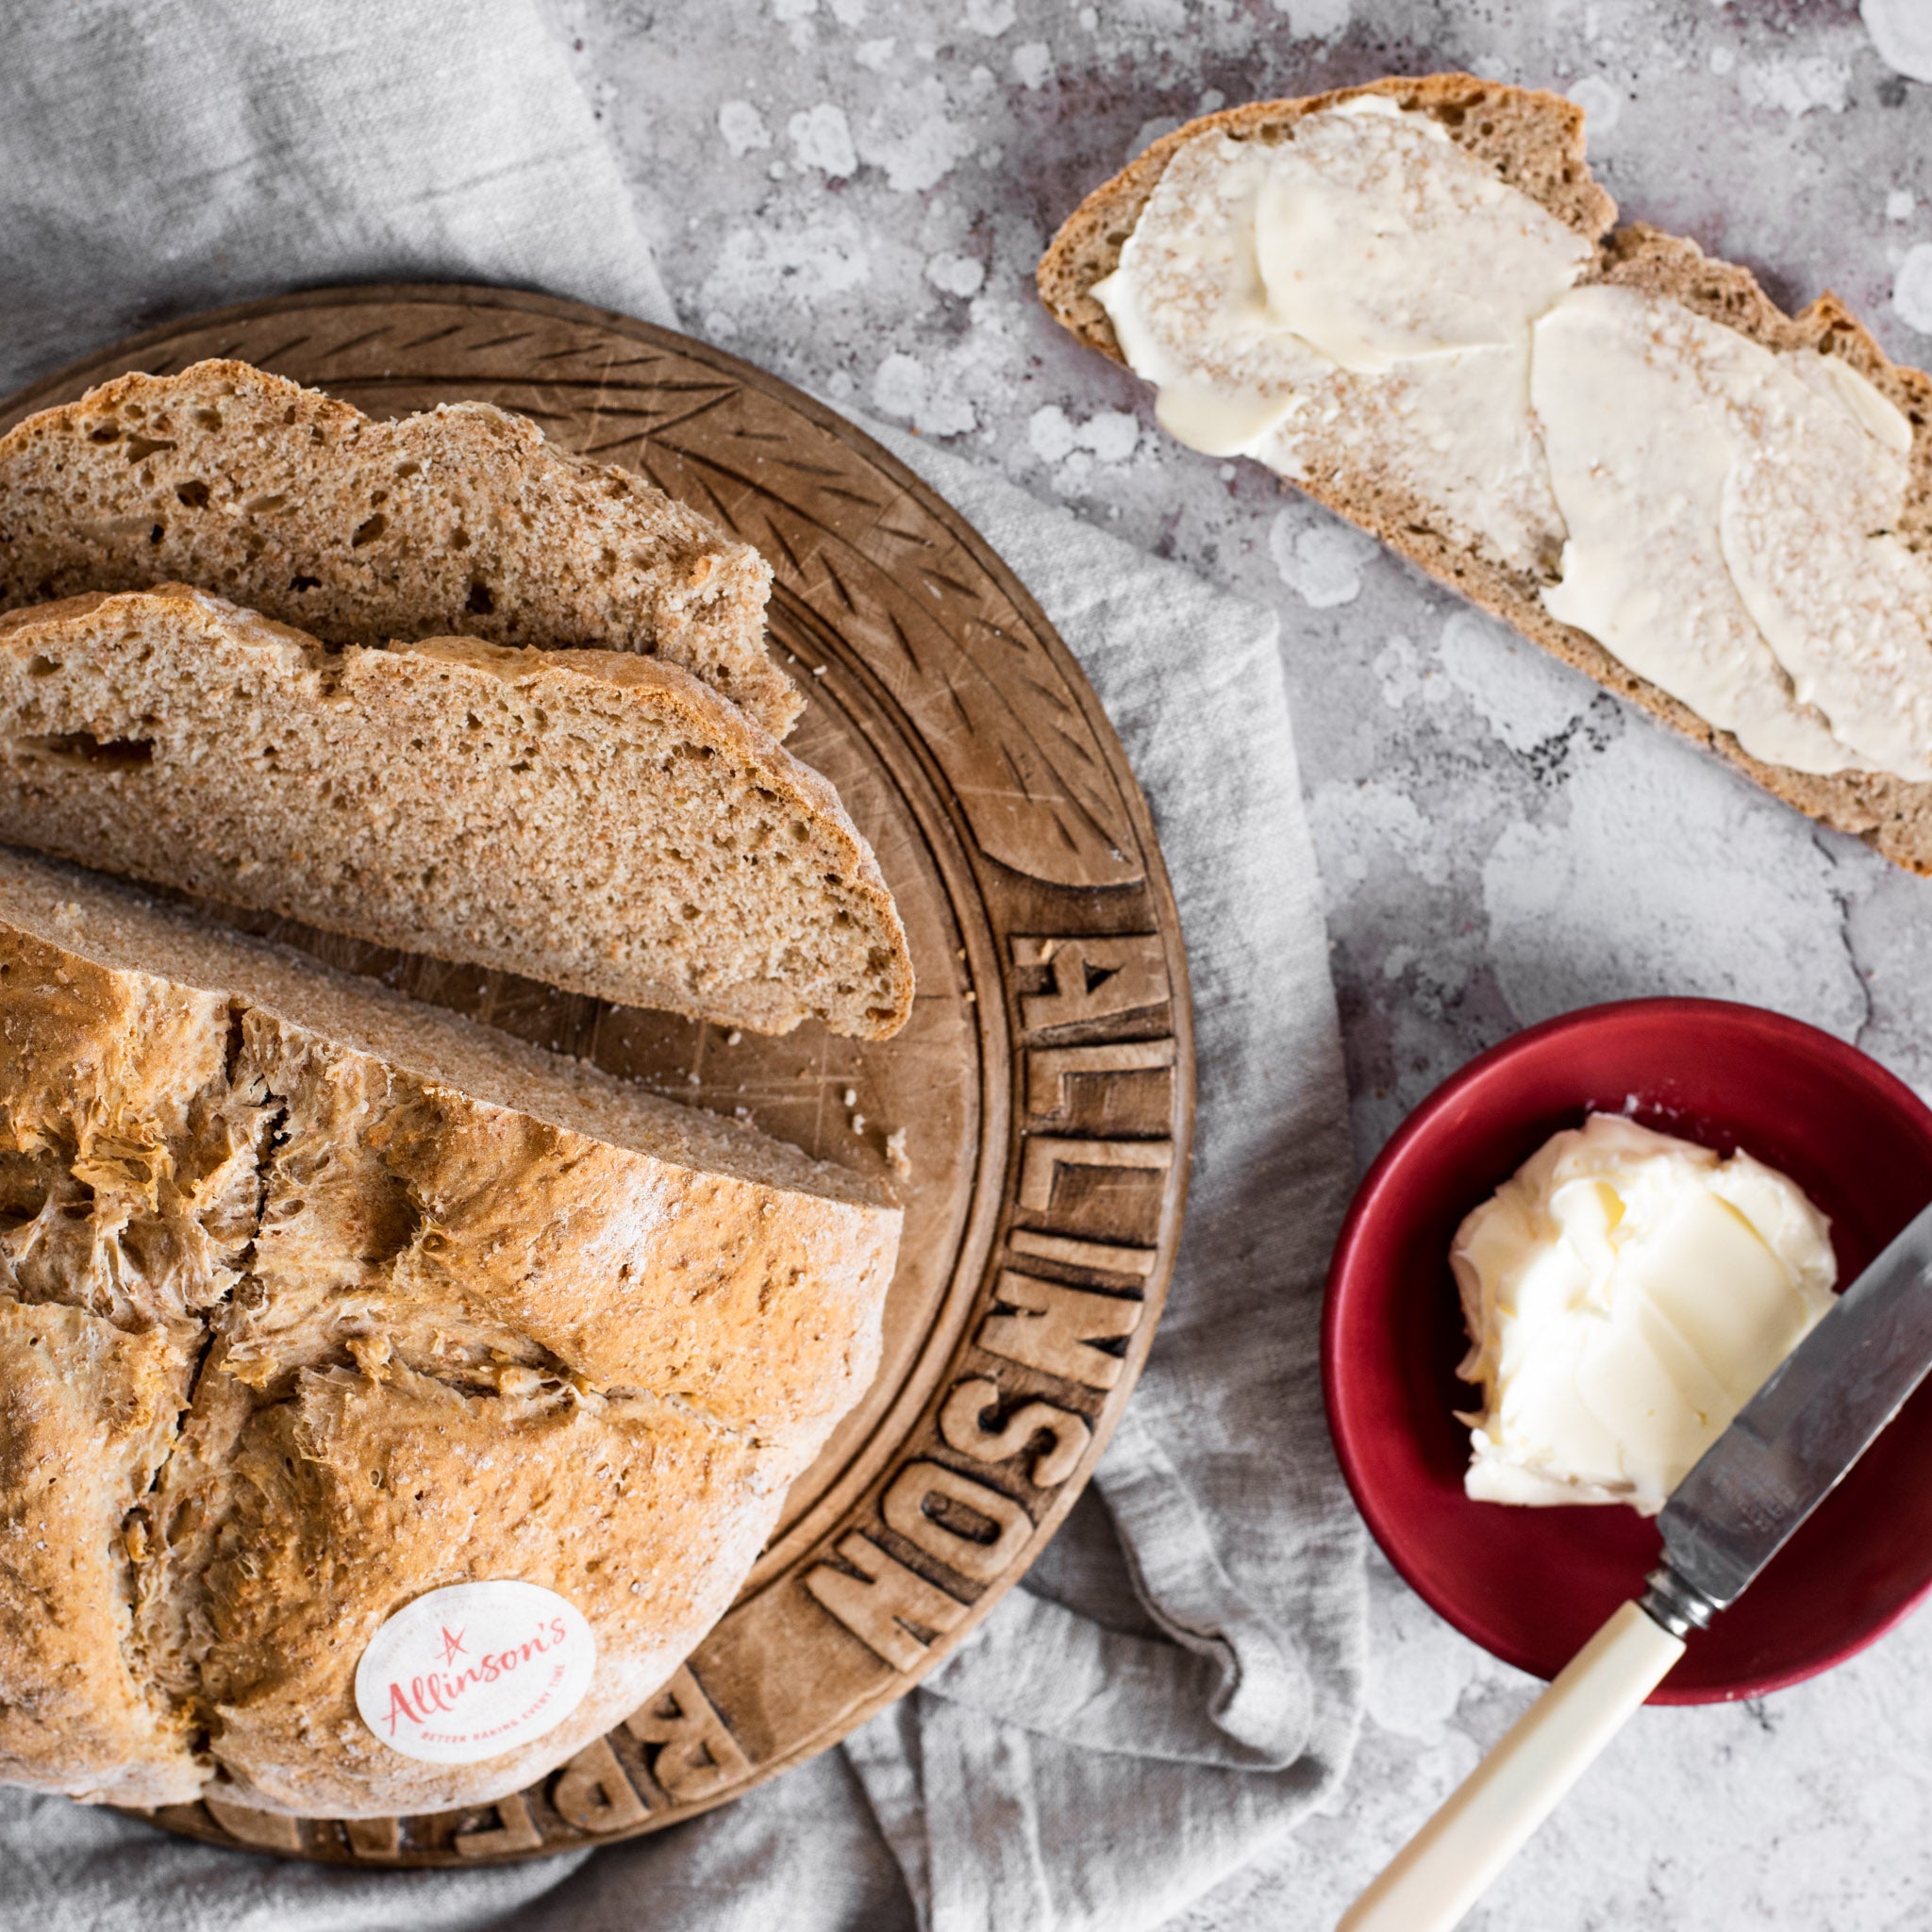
<point>1178,1681</point>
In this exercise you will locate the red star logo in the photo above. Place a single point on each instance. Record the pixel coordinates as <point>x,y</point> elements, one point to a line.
<point>452,1644</point>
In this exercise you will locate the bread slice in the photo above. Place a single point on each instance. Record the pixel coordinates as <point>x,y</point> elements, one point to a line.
<point>594,819</point>
<point>1535,142</point>
<point>313,1299</point>
<point>463,520</point>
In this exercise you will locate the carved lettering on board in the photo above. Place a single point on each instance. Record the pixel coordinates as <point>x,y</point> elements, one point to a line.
<point>1054,1327</point>
<point>375,1837</point>
<point>270,1830</point>
<point>593,1793</point>
<point>1049,1069</point>
<point>1106,1257</point>
<point>515,1831</point>
<point>886,1604</point>
<point>963,1424</point>
<point>1091,978</point>
<point>696,1754</point>
<point>1042,1155</point>
<point>907,1508</point>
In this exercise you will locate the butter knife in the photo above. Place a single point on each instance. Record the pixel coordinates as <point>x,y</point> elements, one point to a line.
<point>1789,1447</point>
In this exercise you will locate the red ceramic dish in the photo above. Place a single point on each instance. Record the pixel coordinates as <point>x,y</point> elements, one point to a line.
<point>1532,1586</point>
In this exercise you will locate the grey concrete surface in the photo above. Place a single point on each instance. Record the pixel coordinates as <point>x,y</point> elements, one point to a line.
<point>855,193</point>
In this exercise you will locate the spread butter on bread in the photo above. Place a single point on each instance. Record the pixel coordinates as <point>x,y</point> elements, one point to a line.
<point>1409,299</point>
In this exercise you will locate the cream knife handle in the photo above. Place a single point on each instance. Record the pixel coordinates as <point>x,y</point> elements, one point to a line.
<point>1453,1859</point>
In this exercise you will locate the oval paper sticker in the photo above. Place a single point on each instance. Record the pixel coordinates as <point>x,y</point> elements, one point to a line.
<point>475,1669</point>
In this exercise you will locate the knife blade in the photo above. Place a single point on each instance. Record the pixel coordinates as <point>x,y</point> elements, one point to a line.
<point>1785,1451</point>
<point>1791,1445</point>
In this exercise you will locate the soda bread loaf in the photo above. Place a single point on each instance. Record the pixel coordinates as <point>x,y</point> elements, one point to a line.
<point>460,520</point>
<point>313,1299</point>
<point>1535,143</point>
<point>594,819</point>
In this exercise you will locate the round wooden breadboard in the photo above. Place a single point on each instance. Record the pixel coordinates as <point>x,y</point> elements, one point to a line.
<point>1034,1116</point>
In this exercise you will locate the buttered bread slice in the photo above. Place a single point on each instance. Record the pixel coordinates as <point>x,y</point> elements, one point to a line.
<point>314,1299</point>
<point>1408,299</point>
<point>593,819</point>
<point>461,520</point>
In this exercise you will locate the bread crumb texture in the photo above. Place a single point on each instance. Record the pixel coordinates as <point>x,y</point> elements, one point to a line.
<point>313,1299</point>
<point>591,819</point>
<point>1535,143</point>
<point>461,520</point>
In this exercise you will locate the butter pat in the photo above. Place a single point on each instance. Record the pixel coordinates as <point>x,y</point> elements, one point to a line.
<point>1626,1294</point>
<point>1362,291</point>
<point>1380,243</point>
<point>1729,514</point>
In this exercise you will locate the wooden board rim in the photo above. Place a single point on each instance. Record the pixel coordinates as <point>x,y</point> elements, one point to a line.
<point>261,1832</point>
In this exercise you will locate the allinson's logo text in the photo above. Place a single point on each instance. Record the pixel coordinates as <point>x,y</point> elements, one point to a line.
<point>474,1670</point>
